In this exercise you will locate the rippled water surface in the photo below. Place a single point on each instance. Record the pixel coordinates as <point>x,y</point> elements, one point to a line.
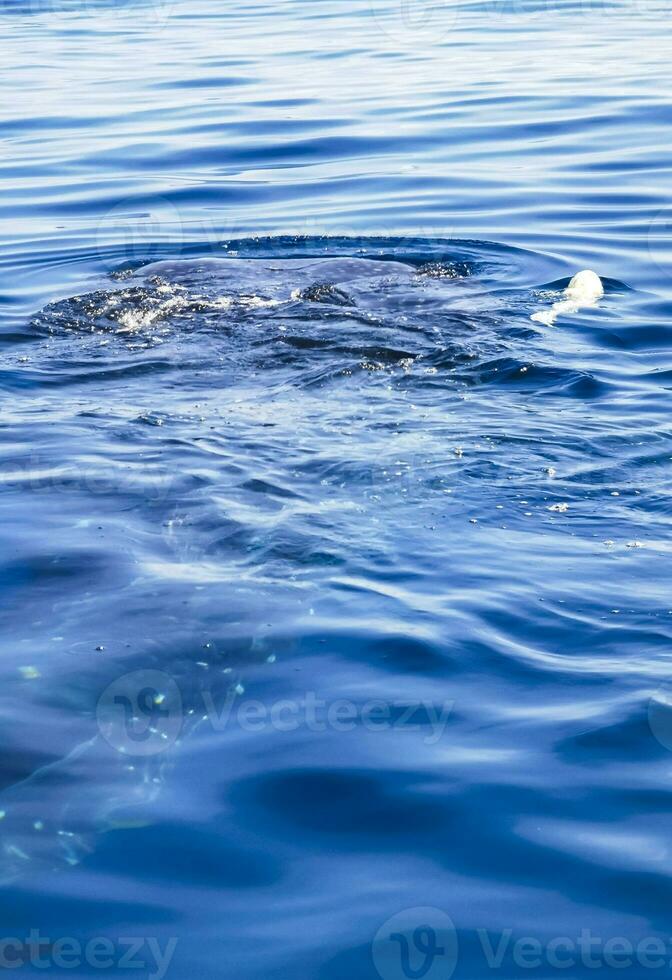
<point>333,584</point>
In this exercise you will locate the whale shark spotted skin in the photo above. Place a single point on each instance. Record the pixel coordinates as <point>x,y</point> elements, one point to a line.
<point>585,289</point>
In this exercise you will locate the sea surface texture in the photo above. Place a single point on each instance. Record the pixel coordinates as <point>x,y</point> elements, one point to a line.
<point>336,590</point>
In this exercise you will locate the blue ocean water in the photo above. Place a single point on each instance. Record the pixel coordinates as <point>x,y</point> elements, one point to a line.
<point>336,608</point>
